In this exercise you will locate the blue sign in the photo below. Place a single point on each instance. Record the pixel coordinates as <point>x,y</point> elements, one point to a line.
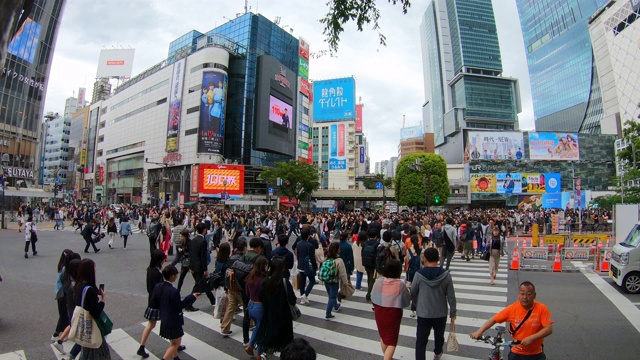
<point>303,127</point>
<point>361,154</point>
<point>270,191</point>
<point>379,185</point>
<point>334,99</point>
<point>337,164</point>
<point>552,182</point>
<point>58,181</point>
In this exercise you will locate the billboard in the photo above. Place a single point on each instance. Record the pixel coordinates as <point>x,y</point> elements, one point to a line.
<point>303,69</point>
<point>280,112</point>
<point>508,183</point>
<point>337,153</point>
<point>541,183</point>
<point>362,154</point>
<point>359,118</point>
<point>412,132</point>
<point>115,63</point>
<point>554,146</point>
<point>488,145</point>
<point>276,102</point>
<point>304,87</point>
<point>334,99</point>
<point>218,179</point>
<point>483,183</point>
<point>175,105</point>
<point>25,42</point>
<point>212,112</point>
<point>303,49</point>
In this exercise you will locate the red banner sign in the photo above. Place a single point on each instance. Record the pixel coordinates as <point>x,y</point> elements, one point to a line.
<point>195,176</point>
<point>359,118</point>
<point>305,87</point>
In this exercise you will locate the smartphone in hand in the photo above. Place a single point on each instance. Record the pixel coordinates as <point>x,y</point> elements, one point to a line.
<point>101,286</point>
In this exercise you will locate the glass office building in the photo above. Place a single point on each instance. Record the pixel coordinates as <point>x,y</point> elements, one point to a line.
<point>564,85</point>
<point>23,82</point>
<point>464,87</point>
<point>254,35</point>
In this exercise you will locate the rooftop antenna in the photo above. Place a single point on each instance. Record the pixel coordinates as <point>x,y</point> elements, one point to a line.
<point>246,6</point>
<point>403,120</point>
<point>277,22</point>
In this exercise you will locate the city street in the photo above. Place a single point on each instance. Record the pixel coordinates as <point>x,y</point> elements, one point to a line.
<point>586,308</point>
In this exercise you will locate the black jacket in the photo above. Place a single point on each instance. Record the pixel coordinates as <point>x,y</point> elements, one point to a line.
<point>167,298</point>
<point>154,277</point>
<point>303,249</point>
<point>198,254</point>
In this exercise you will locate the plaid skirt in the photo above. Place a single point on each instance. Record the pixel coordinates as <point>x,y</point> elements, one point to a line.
<point>152,314</point>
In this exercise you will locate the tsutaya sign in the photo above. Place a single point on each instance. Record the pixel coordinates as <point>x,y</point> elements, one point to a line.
<point>17,172</point>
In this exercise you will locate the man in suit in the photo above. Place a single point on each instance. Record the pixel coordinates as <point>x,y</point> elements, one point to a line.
<point>198,252</point>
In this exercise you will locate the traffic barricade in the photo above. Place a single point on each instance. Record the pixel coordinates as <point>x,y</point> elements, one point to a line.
<point>605,259</point>
<point>585,251</point>
<point>534,258</point>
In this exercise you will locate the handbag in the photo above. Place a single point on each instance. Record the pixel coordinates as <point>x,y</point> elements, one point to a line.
<point>84,330</point>
<point>104,324</point>
<point>34,236</point>
<point>347,290</point>
<point>295,311</point>
<point>486,255</point>
<point>452,341</point>
<point>222,308</point>
<point>185,262</point>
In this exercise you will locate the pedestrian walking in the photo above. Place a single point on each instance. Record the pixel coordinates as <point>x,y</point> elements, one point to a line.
<point>307,266</point>
<point>356,248</point>
<point>92,228</point>
<point>68,284</point>
<point>232,290</point>
<point>30,237</point>
<point>167,298</point>
<point>125,230</point>
<point>198,253</point>
<point>112,230</point>
<point>431,290</point>
<point>91,298</point>
<point>63,315</point>
<point>253,287</point>
<point>494,258</point>
<point>369,251</point>
<point>182,257</point>
<point>154,277</point>
<point>389,296</point>
<point>449,241</point>
<point>529,322</point>
<point>334,274</point>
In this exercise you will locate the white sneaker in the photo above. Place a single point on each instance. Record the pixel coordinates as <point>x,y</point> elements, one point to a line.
<point>304,300</point>
<point>59,348</point>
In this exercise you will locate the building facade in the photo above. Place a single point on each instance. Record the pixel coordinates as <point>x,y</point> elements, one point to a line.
<point>334,154</point>
<point>56,152</point>
<point>23,84</point>
<point>614,31</point>
<point>564,81</point>
<point>462,70</point>
<point>416,145</point>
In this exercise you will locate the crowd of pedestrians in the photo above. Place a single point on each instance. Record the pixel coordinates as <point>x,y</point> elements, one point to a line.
<point>242,260</point>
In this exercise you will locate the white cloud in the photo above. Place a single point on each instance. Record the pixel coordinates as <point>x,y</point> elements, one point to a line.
<point>389,79</point>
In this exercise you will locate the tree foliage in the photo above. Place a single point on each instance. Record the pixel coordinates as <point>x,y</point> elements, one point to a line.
<point>631,165</point>
<point>299,179</point>
<point>412,186</point>
<point>362,12</point>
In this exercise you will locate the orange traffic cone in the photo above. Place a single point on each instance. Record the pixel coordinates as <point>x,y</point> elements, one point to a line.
<point>575,245</point>
<point>604,267</point>
<point>475,244</point>
<point>557,264</point>
<point>515,260</point>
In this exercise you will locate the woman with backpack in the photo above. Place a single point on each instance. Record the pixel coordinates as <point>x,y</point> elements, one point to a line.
<point>413,265</point>
<point>389,296</point>
<point>333,273</point>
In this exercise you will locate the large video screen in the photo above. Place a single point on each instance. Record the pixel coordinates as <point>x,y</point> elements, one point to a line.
<point>280,112</point>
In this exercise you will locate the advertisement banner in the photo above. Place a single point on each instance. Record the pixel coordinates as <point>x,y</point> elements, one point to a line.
<point>530,202</point>
<point>212,112</point>
<point>553,183</point>
<point>533,183</point>
<point>341,140</point>
<point>362,155</point>
<point>310,156</point>
<point>412,132</point>
<point>303,145</point>
<point>552,201</point>
<point>334,99</point>
<point>303,69</point>
<point>509,183</point>
<point>303,127</point>
<point>337,160</point>
<point>303,49</point>
<point>175,105</point>
<point>483,183</point>
<point>554,146</point>
<point>359,118</point>
<point>195,176</point>
<point>333,140</point>
<point>216,179</point>
<point>115,63</point>
<point>488,145</point>
<point>570,200</point>
<point>280,112</point>
<point>304,86</point>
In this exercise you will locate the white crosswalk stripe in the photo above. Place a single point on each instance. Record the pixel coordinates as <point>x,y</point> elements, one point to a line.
<point>351,334</point>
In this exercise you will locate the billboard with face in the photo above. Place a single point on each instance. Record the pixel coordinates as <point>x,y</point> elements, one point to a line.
<point>554,146</point>
<point>488,145</point>
<point>280,112</point>
<point>213,102</point>
<point>175,105</point>
<point>483,183</point>
<point>334,99</point>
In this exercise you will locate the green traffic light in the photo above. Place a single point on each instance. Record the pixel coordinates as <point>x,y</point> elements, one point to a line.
<point>437,199</point>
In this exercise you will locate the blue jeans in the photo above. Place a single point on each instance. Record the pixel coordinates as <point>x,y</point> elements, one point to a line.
<point>358,280</point>
<point>312,281</point>
<point>256,312</point>
<point>332,292</point>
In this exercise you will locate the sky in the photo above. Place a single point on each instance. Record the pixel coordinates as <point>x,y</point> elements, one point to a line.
<point>389,78</point>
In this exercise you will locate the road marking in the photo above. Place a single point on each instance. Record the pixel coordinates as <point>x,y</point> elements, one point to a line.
<point>623,304</point>
<point>16,355</point>
<point>124,345</point>
<point>198,349</point>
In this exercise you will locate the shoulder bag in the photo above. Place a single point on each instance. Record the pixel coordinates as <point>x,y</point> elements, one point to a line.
<point>486,255</point>
<point>513,331</point>
<point>295,311</point>
<point>84,329</point>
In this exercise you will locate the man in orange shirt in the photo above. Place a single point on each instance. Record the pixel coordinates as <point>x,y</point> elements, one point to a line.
<point>529,330</point>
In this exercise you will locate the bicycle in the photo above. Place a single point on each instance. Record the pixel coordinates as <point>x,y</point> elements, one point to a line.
<point>498,343</point>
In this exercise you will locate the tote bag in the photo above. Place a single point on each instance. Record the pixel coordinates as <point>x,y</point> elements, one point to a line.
<point>84,329</point>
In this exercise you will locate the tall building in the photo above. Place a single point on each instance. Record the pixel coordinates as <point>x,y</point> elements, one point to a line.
<point>381,167</point>
<point>23,85</point>
<point>564,82</point>
<point>70,107</point>
<point>101,90</point>
<point>614,33</point>
<point>462,71</point>
<point>56,151</point>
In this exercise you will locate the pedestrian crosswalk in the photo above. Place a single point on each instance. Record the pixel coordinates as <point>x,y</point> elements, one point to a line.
<point>69,228</point>
<point>352,334</point>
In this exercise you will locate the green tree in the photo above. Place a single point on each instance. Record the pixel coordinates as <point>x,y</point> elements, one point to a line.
<point>362,12</point>
<point>413,186</point>
<point>631,165</point>
<point>299,179</point>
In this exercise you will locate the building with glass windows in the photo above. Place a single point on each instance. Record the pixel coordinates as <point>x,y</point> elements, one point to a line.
<point>463,82</point>
<point>23,86</point>
<point>564,81</point>
<point>56,151</point>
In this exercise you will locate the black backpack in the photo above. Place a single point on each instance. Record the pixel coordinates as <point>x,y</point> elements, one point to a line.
<point>369,255</point>
<point>152,231</point>
<point>241,269</point>
<point>383,253</point>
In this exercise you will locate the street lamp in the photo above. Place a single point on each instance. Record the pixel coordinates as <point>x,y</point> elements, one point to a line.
<point>5,162</point>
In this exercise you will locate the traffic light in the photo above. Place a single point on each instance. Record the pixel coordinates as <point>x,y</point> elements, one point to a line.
<point>436,199</point>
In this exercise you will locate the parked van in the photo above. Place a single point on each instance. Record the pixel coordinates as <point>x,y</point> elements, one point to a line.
<point>625,262</point>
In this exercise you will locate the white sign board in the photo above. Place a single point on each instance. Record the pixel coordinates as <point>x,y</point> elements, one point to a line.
<point>115,63</point>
